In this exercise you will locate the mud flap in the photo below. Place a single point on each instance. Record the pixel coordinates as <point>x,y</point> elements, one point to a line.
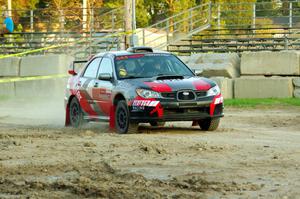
<point>67,121</point>
<point>112,117</point>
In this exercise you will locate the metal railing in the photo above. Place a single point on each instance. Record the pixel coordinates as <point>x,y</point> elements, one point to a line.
<point>176,27</point>
<point>43,28</point>
<point>241,15</point>
<point>247,26</point>
<point>66,20</point>
<point>239,40</point>
<point>255,14</point>
<point>69,25</point>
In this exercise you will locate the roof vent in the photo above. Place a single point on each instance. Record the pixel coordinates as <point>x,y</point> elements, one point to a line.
<point>140,49</point>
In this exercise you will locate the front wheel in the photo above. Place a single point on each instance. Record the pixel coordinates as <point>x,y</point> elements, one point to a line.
<point>210,124</point>
<point>76,114</point>
<point>122,118</point>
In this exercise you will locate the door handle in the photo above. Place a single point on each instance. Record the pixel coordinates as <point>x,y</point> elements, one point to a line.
<point>79,83</point>
<point>96,84</point>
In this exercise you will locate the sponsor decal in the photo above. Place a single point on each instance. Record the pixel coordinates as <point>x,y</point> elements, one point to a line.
<point>140,104</point>
<point>159,110</point>
<point>218,100</point>
<point>129,57</point>
<point>78,95</point>
<point>158,55</point>
<point>145,103</point>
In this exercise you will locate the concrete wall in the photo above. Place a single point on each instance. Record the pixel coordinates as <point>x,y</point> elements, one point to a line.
<point>262,87</point>
<point>41,88</point>
<point>45,65</point>
<point>7,89</point>
<point>297,92</point>
<point>153,37</point>
<point>184,59</point>
<point>270,63</point>
<point>296,82</point>
<point>34,66</point>
<point>10,67</point>
<point>211,65</point>
<point>215,64</point>
<point>226,86</point>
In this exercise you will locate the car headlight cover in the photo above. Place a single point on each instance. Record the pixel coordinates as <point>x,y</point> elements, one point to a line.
<point>213,91</point>
<point>147,93</point>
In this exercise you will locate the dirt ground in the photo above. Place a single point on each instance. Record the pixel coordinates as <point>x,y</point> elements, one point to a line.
<point>254,154</point>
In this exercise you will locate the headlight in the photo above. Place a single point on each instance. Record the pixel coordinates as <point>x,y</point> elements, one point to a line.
<point>147,93</point>
<point>213,91</point>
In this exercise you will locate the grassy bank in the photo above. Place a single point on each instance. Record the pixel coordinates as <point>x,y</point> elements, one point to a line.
<point>262,102</point>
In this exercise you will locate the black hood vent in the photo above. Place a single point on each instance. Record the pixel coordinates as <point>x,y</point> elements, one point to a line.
<point>169,77</point>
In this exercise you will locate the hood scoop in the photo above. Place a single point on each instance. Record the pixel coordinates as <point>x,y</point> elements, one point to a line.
<point>164,77</point>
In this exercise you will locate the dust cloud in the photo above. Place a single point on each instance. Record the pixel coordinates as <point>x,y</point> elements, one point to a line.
<point>47,111</point>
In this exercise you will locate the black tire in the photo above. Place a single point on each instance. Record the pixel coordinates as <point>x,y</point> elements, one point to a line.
<point>76,114</point>
<point>154,123</point>
<point>122,119</point>
<point>210,124</point>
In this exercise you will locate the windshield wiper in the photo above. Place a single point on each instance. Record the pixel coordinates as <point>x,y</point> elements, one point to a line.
<point>132,77</point>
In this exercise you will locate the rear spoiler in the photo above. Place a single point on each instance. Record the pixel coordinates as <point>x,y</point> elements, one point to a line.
<point>76,66</point>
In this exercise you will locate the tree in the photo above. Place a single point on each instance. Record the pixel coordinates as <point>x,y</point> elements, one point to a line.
<point>267,8</point>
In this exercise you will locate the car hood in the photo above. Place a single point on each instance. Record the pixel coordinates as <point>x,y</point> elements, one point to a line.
<point>170,85</point>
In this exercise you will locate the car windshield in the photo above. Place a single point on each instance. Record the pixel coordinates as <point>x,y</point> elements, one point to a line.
<point>150,65</point>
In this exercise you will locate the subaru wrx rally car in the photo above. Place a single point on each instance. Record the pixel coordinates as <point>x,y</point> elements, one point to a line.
<point>141,85</point>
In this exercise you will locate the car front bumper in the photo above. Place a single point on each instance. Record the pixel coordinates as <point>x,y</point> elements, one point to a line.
<point>178,110</point>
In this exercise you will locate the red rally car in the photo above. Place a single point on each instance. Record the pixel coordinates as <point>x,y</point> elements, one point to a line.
<point>141,85</point>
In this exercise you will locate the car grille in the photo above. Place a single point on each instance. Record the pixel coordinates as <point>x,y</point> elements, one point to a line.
<point>184,112</point>
<point>186,95</point>
<point>172,95</point>
<point>200,93</point>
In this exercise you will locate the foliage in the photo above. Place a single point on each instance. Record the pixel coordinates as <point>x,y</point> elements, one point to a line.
<point>267,8</point>
<point>233,12</point>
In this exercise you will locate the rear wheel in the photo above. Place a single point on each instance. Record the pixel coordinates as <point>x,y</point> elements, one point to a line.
<point>76,114</point>
<point>210,124</point>
<point>154,123</point>
<point>122,119</point>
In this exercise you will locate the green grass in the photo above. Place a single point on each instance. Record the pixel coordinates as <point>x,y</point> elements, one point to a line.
<point>262,102</point>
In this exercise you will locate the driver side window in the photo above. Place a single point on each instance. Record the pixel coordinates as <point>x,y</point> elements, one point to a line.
<point>92,68</point>
<point>105,66</point>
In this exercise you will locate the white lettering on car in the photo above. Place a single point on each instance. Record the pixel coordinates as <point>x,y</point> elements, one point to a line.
<point>78,95</point>
<point>145,103</point>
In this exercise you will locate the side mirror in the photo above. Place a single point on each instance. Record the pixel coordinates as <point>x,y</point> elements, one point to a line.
<point>197,72</point>
<point>105,76</point>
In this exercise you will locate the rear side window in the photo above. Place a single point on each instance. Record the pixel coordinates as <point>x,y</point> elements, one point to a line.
<point>92,68</point>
